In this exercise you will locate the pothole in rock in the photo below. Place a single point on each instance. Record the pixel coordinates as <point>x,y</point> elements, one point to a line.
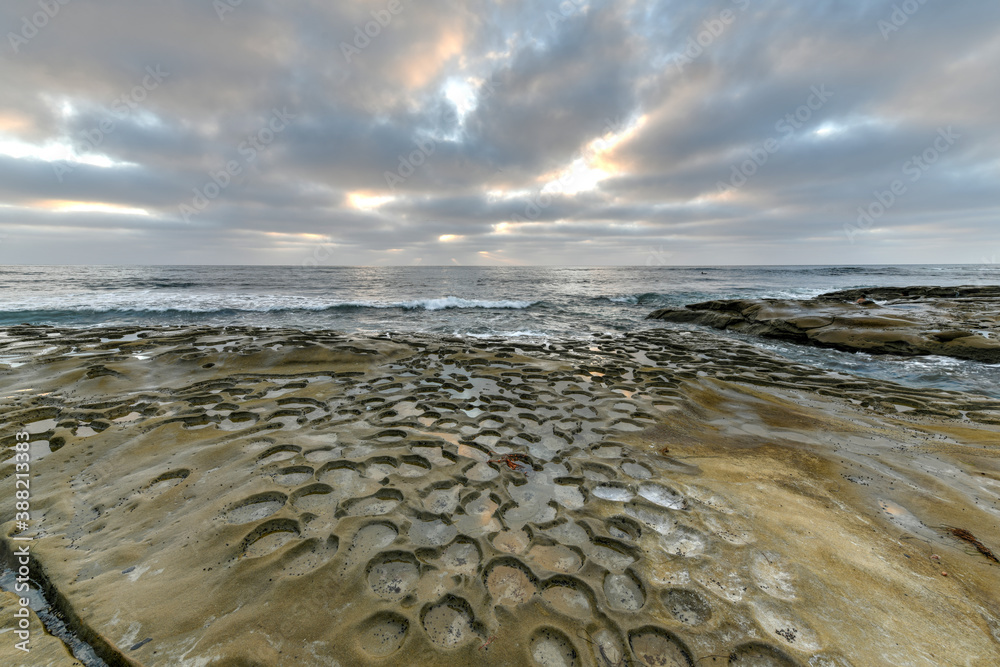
<point>382,502</point>
<point>655,646</point>
<point>293,475</point>
<point>756,654</point>
<point>393,575</point>
<point>279,453</point>
<point>310,555</point>
<point>552,648</point>
<point>461,557</point>
<point>269,537</point>
<point>449,622</point>
<point>636,470</point>
<point>511,541</point>
<point>314,498</point>
<point>432,533</point>
<point>613,492</point>
<point>383,634</point>
<point>624,592</point>
<point>322,455</point>
<point>555,558</point>
<point>661,495</point>
<point>509,582</point>
<point>255,507</point>
<point>684,541</point>
<point>686,606</point>
<point>371,539</point>
<point>167,481</point>
<point>567,597</point>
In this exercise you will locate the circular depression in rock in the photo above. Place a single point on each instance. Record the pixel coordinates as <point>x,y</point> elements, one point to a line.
<point>381,502</point>
<point>567,597</point>
<point>255,507</point>
<point>432,533</point>
<point>279,453</point>
<point>511,541</point>
<point>657,647</point>
<point>462,557</point>
<point>683,541</point>
<point>393,575</point>
<point>383,634</point>
<point>687,606</point>
<point>552,648</point>
<point>449,622</point>
<point>608,451</point>
<point>661,495</point>
<point>636,470</point>
<point>322,455</point>
<point>756,654</point>
<point>293,475</point>
<point>313,498</point>
<point>555,558</point>
<point>509,582</point>
<point>613,492</point>
<point>269,537</point>
<point>371,539</point>
<point>624,592</point>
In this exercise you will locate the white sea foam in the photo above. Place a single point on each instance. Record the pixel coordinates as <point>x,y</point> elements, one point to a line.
<point>146,301</point>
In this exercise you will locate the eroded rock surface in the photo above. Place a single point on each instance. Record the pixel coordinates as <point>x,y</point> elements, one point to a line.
<point>262,497</point>
<point>959,322</point>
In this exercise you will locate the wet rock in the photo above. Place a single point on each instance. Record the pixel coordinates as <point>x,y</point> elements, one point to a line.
<point>959,322</point>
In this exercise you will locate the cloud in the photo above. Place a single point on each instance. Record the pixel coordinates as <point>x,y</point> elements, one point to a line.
<point>517,132</point>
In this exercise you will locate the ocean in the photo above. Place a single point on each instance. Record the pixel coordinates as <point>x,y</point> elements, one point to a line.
<point>476,302</point>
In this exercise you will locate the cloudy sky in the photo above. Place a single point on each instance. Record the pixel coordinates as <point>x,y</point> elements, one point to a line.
<point>499,132</point>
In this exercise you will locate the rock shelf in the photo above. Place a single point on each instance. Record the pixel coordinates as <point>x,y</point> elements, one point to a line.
<point>959,322</point>
<point>243,496</point>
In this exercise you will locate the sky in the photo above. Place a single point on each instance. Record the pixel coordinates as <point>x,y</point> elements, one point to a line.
<point>426,132</point>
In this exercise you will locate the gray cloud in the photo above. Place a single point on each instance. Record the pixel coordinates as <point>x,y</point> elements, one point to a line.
<point>465,132</point>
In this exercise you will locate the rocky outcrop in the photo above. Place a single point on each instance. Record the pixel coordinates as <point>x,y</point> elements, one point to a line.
<point>961,322</point>
<point>254,497</point>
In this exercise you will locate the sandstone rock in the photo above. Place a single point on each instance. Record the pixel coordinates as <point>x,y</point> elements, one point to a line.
<point>270,497</point>
<point>961,322</point>
<point>44,649</point>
